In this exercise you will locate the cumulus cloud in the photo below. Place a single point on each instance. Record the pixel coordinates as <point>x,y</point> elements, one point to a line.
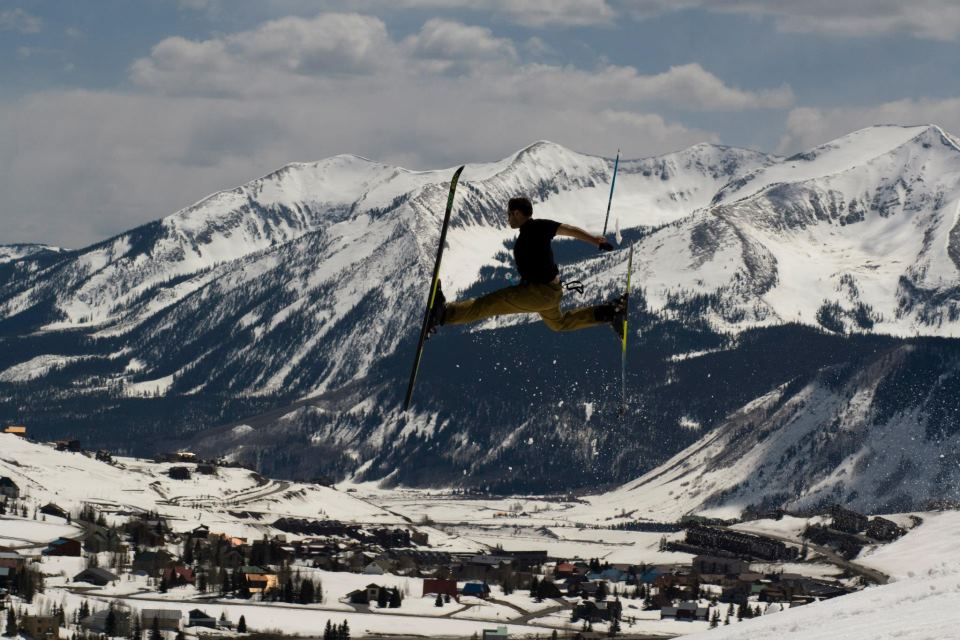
<point>925,19</point>
<point>19,20</point>
<point>808,127</point>
<point>211,114</point>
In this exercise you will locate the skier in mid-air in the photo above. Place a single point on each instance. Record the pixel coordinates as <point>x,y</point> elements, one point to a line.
<point>540,290</point>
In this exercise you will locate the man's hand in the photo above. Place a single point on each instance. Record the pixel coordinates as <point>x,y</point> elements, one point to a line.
<point>605,246</point>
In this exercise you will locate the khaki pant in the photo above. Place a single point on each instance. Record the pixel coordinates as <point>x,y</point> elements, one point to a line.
<point>530,297</point>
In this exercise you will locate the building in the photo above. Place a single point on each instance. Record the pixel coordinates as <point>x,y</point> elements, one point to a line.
<point>198,618</point>
<point>152,562</point>
<point>9,488</point>
<point>259,580</point>
<point>686,611</point>
<point>370,593</point>
<point>476,589</point>
<point>495,634</point>
<point>95,575</point>
<point>712,565</point>
<point>179,473</point>
<point>846,520</point>
<point>178,576</point>
<point>40,627</point>
<point>16,430</point>
<point>63,547</point>
<point>167,619</point>
<point>51,509</point>
<point>434,586</point>
<point>11,560</point>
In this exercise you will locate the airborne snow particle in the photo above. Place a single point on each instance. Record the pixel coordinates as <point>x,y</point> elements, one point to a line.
<point>529,440</point>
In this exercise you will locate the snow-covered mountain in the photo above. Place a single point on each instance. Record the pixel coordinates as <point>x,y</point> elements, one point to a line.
<point>309,282</point>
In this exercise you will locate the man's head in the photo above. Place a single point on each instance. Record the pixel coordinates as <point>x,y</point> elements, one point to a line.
<point>519,210</point>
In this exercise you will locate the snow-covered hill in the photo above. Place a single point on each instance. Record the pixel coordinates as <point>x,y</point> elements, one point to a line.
<point>879,437</point>
<point>70,480</point>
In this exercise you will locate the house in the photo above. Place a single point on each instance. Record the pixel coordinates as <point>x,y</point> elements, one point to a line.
<point>97,622</point>
<point>9,488</point>
<point>178,576</point>
<point>95,575</point>
<point>475,589</point>
<point>846,520</point>
<point>370,593</point>
<point>63,547</point>
<point>101,539</point>
<point>167,619</point>
<point>434,586</point>
<point>710,565</point>
<point>6,576</point>
<point>198,618</point>
<point>11,560</point>
<point>203,531</point>
<point>564,569</point>
<point>152,563</point>
<point>51,509</point>
<point>602,611</point>
<point>259,580</point>
<point>40,627</point>
<point>179,473</point>
<point>206,469</point>
<point>686,611</point>
<point>16,430</point>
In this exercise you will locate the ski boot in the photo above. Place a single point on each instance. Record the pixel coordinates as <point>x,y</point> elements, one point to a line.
<point>614,313</point>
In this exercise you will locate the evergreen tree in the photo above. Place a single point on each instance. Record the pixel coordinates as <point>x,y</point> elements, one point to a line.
<point>715,620</point>
<point>110,626</point>
<point>306,592</point>
<point>438,602</point>
<point>136,632</point>
<point>345,631</point>
<point>11,629</point>
<point>287,593</point>
<point>155,630</point>
<point>382,598</point>
<point>395,599</point>
<point>328,631</point>
<point>163,584</point>
<point>601,591</point>
<point>242,625</point>
<point>535,588</point>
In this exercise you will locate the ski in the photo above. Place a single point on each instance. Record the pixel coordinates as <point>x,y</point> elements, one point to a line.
<point>623,345</point>
<point>431,296</point>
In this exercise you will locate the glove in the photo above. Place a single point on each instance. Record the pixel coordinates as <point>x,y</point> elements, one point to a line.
<point>605,246</point>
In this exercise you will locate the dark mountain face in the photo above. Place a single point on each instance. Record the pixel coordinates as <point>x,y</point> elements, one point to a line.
<point>209,328</point>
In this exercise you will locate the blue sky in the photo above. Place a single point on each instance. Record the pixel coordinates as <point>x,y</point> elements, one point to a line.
<point>114,113</point>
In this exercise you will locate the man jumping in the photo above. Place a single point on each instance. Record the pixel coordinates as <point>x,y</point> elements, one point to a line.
<point>539,290</point>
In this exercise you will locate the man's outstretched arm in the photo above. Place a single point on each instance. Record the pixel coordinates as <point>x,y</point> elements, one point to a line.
<point>578,233</point>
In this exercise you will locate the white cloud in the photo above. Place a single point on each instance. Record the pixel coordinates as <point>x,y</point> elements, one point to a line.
<point>225,110</point>
<point>808,127</point>
<point>447,41</point>
<point>19,20</point>
<point>925,19</point>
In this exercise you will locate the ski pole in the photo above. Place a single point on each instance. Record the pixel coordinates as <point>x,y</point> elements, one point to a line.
<point>616,164</point>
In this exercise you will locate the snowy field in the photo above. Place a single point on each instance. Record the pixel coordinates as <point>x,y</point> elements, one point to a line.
<point>21,533</point>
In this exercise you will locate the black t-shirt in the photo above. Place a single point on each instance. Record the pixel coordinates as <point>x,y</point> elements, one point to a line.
<point>532,251</point>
